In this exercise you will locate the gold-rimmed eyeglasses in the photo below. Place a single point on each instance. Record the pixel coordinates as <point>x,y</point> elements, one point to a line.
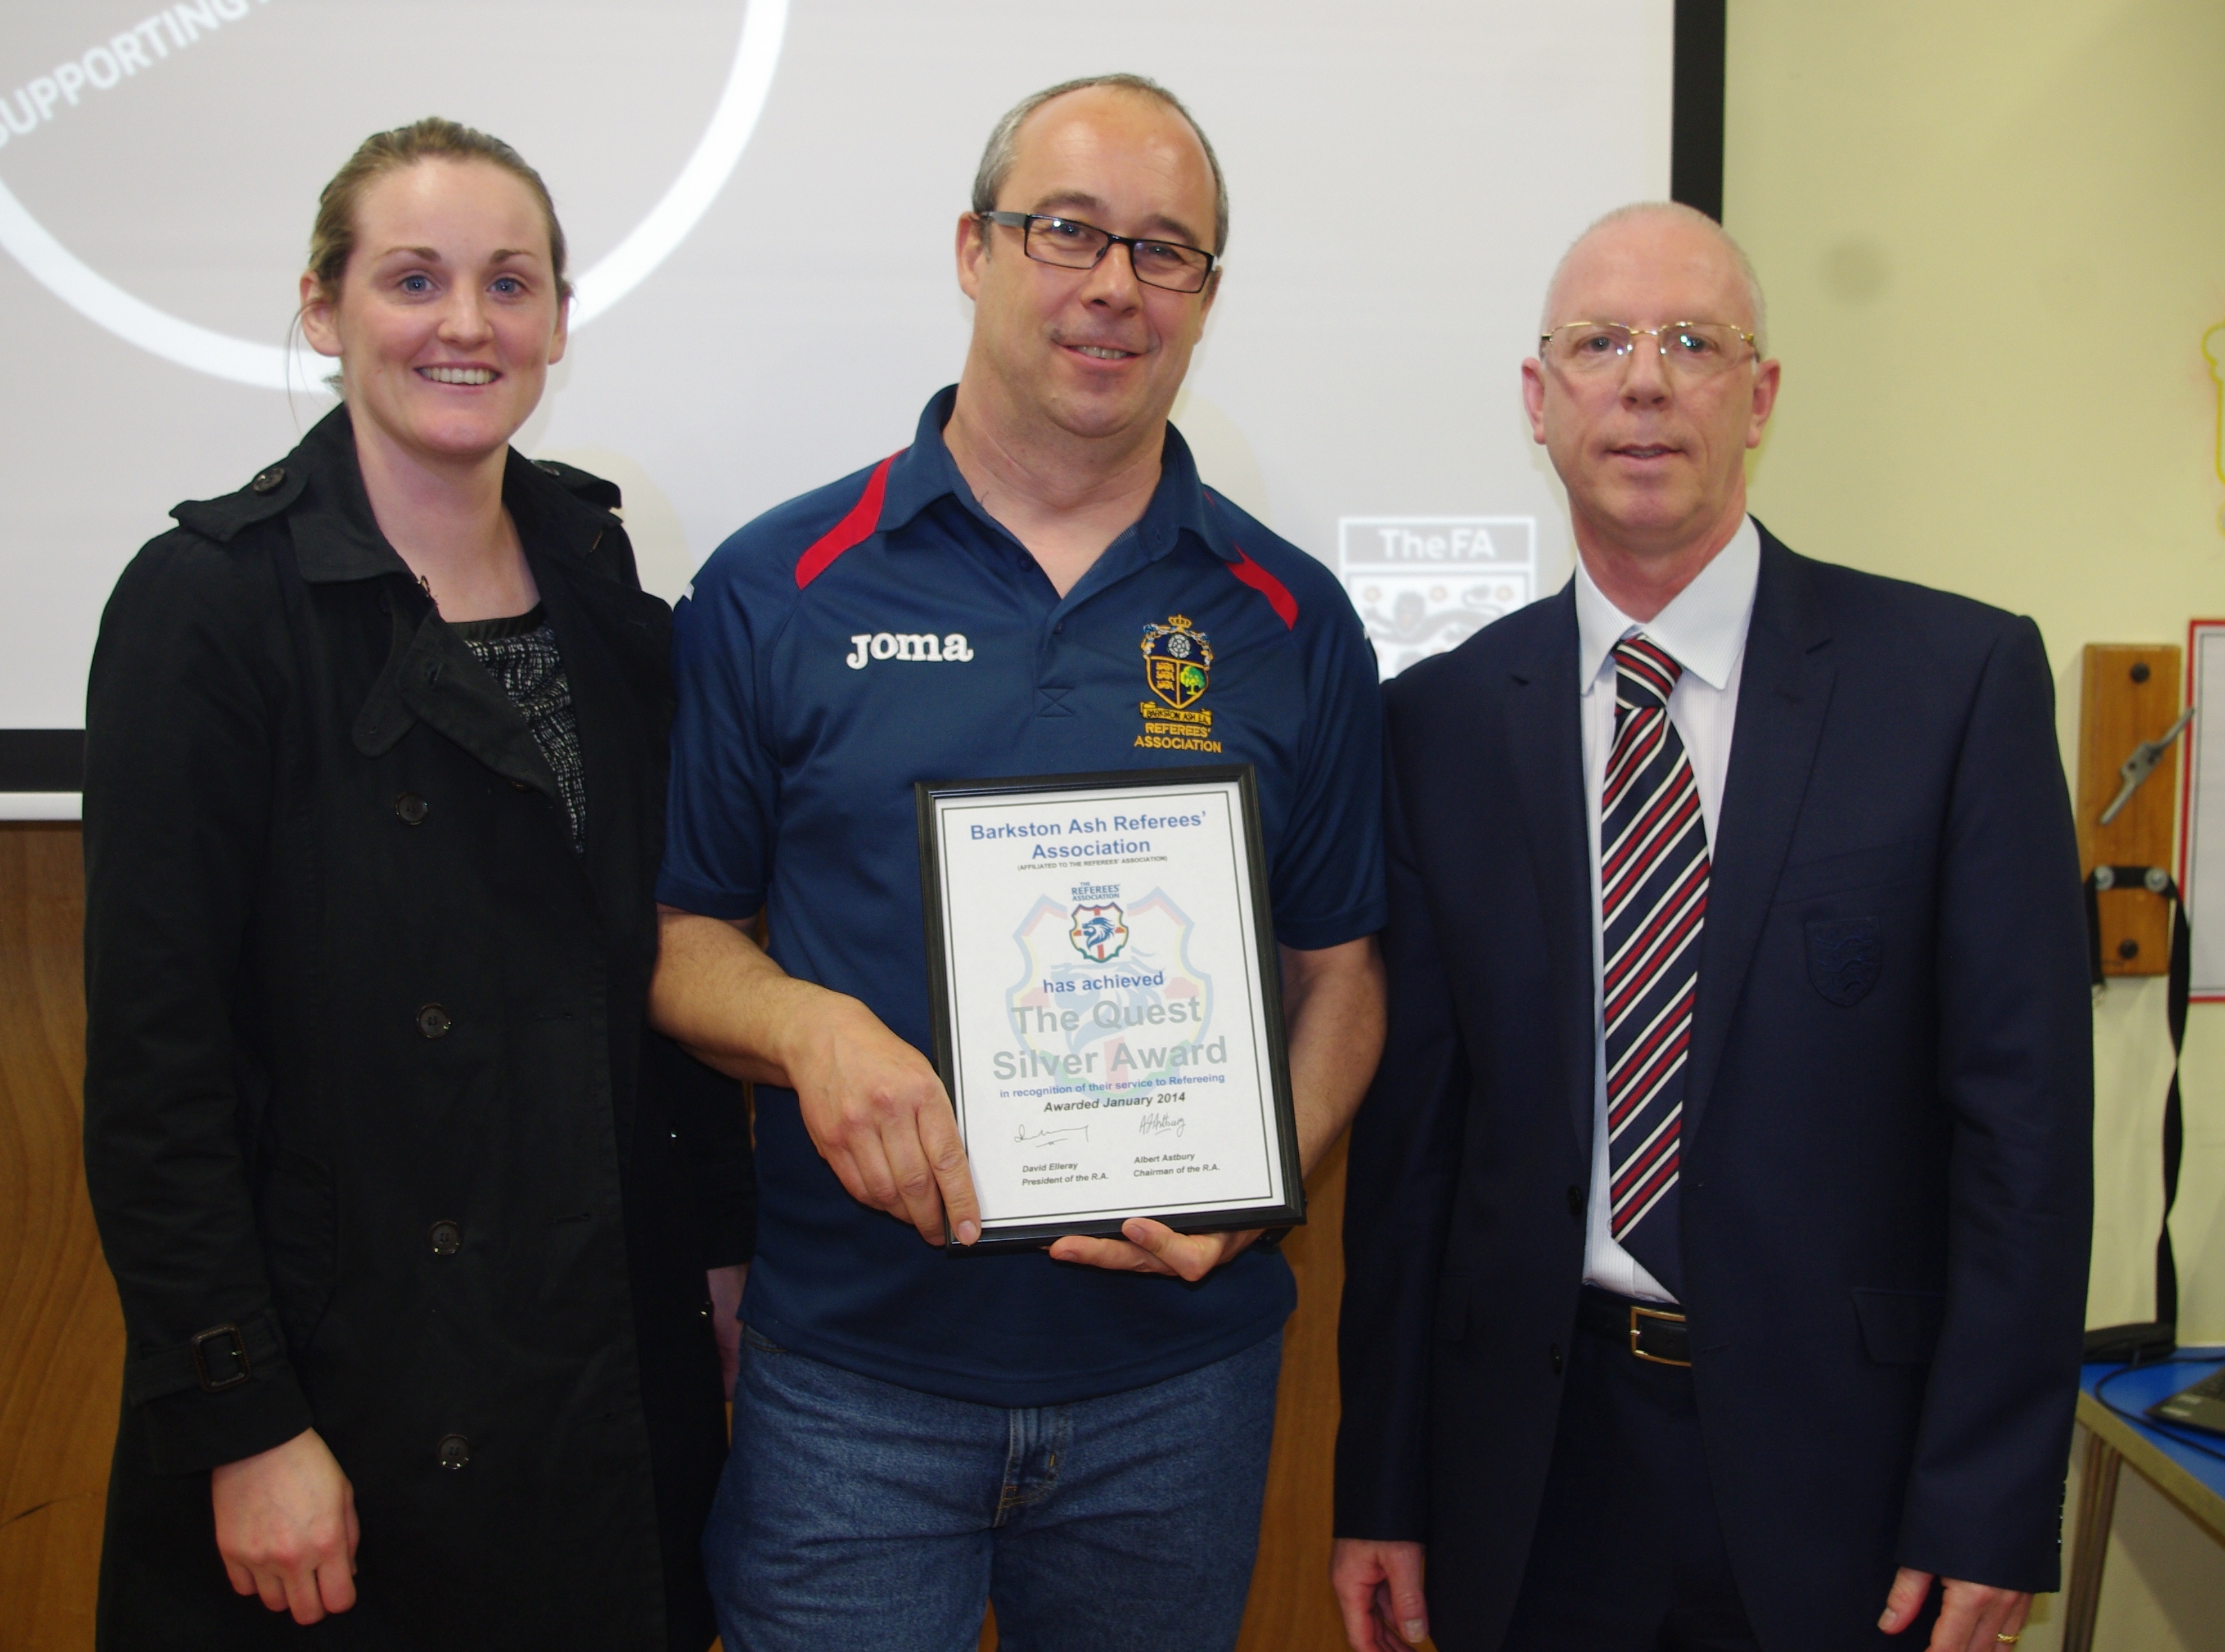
<point>1071,245</point>
<point>1693,348</point>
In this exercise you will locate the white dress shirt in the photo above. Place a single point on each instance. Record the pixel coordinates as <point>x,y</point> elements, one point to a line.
<point>1704,631</point>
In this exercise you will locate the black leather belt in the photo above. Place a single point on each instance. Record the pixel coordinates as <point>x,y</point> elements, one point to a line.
<point>1653,1332</point>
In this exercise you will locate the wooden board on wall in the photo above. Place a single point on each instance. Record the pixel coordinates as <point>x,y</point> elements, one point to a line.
<point>2128,693</point>
<point>1291,1608</point>
<point>61,1333</point>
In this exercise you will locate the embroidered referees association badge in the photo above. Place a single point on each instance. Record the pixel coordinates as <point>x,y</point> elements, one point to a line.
<point>1178,667</point>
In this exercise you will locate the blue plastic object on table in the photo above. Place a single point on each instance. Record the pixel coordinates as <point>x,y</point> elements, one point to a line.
<point>2132,1389</point>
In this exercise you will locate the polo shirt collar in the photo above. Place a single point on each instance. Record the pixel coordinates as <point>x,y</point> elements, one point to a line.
<point>925,473</point>
<point>1703,630</point>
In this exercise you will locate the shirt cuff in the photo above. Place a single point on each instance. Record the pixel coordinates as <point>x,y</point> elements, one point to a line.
<point>701,899</point>
<point>1315,935</point>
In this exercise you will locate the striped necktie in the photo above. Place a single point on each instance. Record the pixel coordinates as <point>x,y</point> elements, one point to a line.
<point>1653,898</point>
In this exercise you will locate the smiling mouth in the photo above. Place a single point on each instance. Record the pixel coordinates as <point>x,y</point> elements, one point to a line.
<point>1103,352</point>
<point>458,375</point>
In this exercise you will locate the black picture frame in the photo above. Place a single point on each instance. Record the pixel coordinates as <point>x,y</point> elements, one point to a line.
<point>1290,1211</point>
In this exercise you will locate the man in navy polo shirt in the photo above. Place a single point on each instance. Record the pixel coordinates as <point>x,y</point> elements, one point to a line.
<point>1082,1435</point>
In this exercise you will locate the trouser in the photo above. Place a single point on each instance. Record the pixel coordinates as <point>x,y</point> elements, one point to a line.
<point>857,1514</point>
<point>1628,1552</point>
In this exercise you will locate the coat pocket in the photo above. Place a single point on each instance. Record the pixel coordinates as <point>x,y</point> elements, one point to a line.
<point>1858,868</point>
<point>1900,1328</point>
<point>300,1213</point>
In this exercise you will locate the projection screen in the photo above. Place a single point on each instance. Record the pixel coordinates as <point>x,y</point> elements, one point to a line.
<point>1403,175</point>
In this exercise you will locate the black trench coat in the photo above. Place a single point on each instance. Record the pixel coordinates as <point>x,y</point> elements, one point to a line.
<point>367,1080</point>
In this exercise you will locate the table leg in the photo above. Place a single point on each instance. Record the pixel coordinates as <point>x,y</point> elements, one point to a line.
<point>2097,1507</point>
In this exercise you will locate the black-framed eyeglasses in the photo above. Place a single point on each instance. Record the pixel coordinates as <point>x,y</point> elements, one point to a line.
<point>1071,245</point>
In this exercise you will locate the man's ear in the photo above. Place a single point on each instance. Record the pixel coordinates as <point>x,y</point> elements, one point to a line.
<point>973,247</point>
<point>1765,380</point>
<point>1533,397</point>
<point>1211,292</point>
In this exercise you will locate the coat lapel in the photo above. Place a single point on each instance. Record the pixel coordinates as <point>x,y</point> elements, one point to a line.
<point>1785,690</point>
<point>1545,736</point>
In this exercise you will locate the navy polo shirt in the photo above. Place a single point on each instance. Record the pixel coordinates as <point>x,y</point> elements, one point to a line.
<point>886,630</point>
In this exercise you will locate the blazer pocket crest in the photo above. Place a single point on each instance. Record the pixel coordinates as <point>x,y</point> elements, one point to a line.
<point>1844,956</point>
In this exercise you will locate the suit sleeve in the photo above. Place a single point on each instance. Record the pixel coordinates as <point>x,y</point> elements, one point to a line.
<point>2016,1070</point>
<point>1404,1168</point>
<point>179,753</point>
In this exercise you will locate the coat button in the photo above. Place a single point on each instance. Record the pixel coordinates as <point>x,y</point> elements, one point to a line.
<point>411,808</point>
<point>1553,1352</point>
<point>433,1022</point>
<point>270,480</point>
<point>455,1451</point>
<point>1576,1201</point>
<point>447,1238</point>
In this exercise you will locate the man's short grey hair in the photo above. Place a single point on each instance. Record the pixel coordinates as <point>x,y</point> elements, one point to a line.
<point>1681,213</point>
<point>997,160</point>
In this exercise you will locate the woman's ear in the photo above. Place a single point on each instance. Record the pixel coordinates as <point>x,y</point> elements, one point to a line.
<point>318,325</point>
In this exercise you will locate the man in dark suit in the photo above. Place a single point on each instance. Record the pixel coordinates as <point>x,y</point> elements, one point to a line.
<point>1717,1230</point>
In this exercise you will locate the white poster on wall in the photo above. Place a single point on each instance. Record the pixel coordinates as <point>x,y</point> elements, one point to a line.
<point>1403,177</point>
<point>2202,804</point>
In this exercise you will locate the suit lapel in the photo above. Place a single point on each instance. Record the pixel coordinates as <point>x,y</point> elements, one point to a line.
<point>1785,690</point>
<point>1545,736</point>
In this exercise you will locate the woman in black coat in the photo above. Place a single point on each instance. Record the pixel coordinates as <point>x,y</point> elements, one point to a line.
<point>411,1242</point>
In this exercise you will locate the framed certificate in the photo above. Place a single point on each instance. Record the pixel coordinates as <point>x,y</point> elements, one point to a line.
<point>1108,1014</point>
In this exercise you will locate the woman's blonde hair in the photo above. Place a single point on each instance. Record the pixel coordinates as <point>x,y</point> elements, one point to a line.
<point>332,240</point>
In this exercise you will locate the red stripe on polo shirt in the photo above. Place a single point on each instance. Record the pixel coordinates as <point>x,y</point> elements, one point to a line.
<point>1277,593</point>
<point>863,518</point>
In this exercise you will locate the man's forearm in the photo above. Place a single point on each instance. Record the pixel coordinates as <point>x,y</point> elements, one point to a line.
<point>722,999</point>
<point>873,1104</point>
<point>1334,1005</point>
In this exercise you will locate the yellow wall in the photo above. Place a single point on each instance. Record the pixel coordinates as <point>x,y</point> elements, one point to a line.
<point>1993,237</point>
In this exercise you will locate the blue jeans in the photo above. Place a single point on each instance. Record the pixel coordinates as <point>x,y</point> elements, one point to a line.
<point>855,1514</point>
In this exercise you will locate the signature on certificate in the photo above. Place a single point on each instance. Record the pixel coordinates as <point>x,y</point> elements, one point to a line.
<point>1024,1134</point>
<point>1161,1124</point>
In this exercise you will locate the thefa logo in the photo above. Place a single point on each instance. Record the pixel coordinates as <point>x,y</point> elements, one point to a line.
<point>1098,931</point>
<point>1177,662</point>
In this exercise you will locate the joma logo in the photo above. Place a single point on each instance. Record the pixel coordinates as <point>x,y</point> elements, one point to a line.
<point>907,645</point>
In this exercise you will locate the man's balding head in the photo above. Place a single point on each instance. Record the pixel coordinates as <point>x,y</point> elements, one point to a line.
<point>1001,152</point>
<point>1672,222</point>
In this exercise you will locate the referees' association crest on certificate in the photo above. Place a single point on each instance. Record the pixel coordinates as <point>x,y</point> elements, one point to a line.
<point>1098,931</point>
<point>1107,999</point>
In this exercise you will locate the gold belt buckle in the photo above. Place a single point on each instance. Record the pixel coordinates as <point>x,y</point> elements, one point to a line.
<point>1638,1314</point>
